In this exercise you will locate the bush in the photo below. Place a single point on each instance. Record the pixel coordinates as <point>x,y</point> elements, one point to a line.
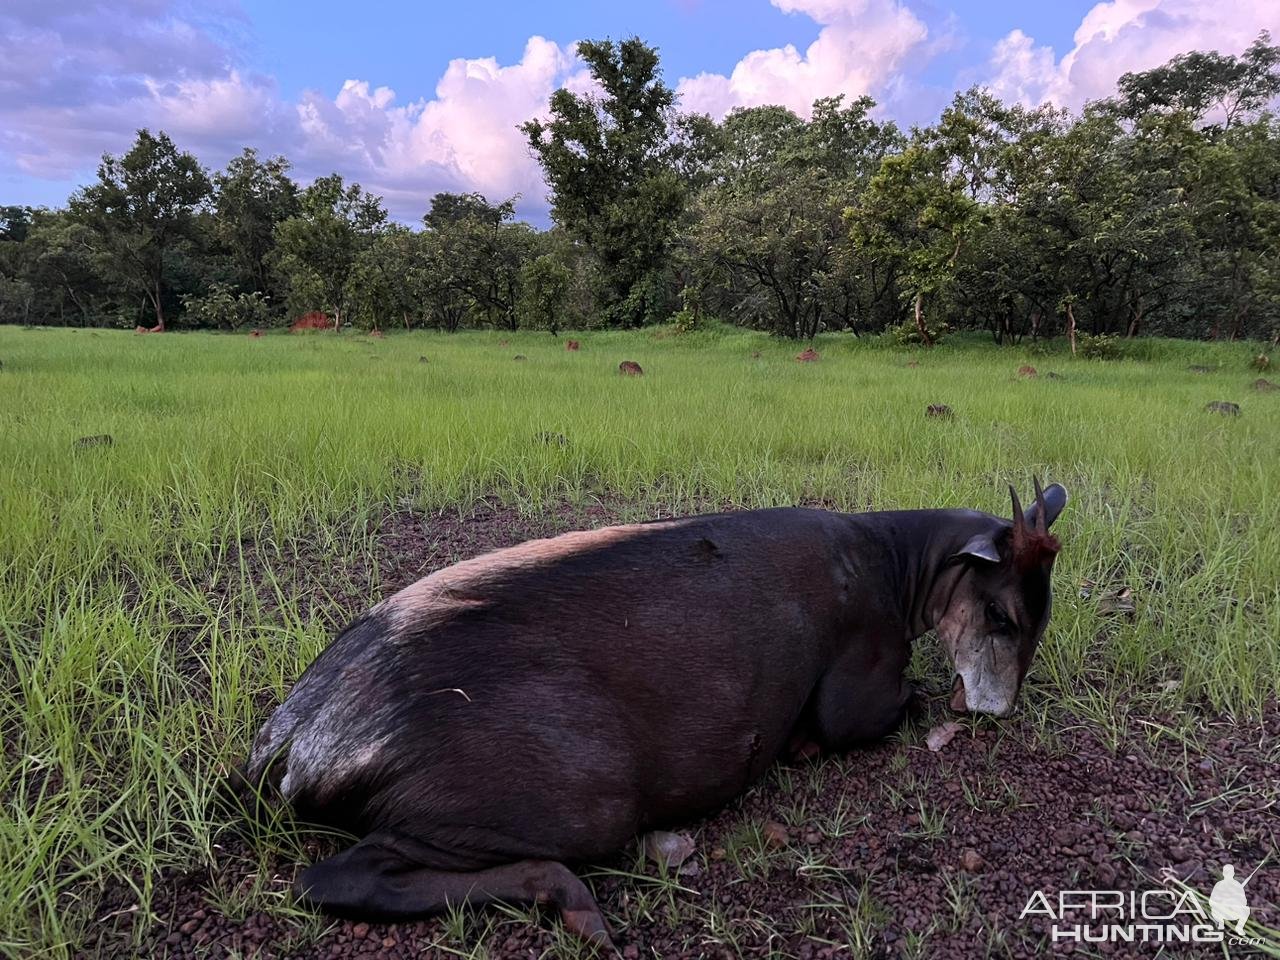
<point>908,334</point>
<point>221,307</point>
<point>1103,346</point>
<point>686,321</point>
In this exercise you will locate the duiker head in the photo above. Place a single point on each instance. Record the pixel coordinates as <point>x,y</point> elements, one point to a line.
<point>999,604</point>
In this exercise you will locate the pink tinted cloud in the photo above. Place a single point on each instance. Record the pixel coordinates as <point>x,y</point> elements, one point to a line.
<point>860,49</point>
<point>1122,36</point>
<point>77,83</point>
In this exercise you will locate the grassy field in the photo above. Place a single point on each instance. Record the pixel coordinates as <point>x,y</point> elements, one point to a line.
<point>137,651</point>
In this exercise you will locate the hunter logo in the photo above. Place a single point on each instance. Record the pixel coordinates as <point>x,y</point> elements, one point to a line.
<point>1161,915</point>
<point>1227,903</point>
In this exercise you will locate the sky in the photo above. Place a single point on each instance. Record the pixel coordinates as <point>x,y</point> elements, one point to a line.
<point>411,98</point>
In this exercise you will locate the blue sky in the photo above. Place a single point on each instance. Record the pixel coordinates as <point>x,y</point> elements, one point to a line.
<point>411,98</point>
<point>692,35</point>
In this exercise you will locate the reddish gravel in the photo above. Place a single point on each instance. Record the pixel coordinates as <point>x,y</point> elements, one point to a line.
<point>891,851</point>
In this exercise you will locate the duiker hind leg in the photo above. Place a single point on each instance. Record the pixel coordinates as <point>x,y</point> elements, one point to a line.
<point>377,879</point>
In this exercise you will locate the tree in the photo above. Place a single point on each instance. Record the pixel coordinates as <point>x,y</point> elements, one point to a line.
<point>251,197</point>
<point>487,251</point>
<point>14,223</point>
<point>768,241</point>
<point>917,215</point>
<point>384,286</point>
<point>140,210</point>
<point>610,161</point>
<point>317,249</point>
<point>1201,83</point>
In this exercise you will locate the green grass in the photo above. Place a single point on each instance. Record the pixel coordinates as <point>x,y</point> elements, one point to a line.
<point>136,655</point>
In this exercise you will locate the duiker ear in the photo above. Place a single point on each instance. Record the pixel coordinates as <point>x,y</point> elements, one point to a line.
<point>979,547</point>
<point>1054,498</point>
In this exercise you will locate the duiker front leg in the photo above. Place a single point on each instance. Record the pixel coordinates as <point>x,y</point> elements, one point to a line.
<point>863,696</point>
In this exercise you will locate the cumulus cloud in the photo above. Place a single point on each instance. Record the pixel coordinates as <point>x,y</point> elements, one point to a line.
<point>466,137</point>
<point>76,80</point>
<point>860,49</point>
<point>77,83</point>
<point>1122,36</point>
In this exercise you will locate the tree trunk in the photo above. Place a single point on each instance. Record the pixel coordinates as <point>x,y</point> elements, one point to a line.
<point>159,308</point>
<point>924,333</point>
<point>1135,321</point>
<point>1071,329</point>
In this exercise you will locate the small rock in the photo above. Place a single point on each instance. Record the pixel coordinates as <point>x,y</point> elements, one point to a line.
<point>942,734</point>
<point>971,861</point>
<point>629,368</point>
<point>360,931</point>
<point>664,847</point>
<point>939,410</point>
<point>519,356</point>
<point>631,952</point>
<point>1205,766</point>
<point>423,360</point>
<point>812,837</point>
<point>1028,371</point>
<point>1263,385</point>
<point>690,868</point>
<point>571,345</point>
<point>718,853</point>
<point>807,355</point>
<point>1224,407</point>
<point>775,834</point>
<point>389,942</point>
<point>189,927</point>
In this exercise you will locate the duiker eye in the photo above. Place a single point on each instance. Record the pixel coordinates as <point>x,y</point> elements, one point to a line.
<point>998,617</point>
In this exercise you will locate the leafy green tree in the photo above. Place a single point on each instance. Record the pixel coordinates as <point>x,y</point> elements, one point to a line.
<point>610,161</point>
<point>918,215</point>
<point>486,252</point>
<point>251,197</point>
<point>317,249</point>
<point>141,210</point>
<point>1205,83</point>
<point>62,265</point>
<point>769,245</point>
<point>545,285</point>
<point>15,221</point>
<point>384,286</point>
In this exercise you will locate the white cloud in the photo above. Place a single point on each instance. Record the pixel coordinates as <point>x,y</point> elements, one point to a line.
<point>1122,36</point>
<point>860,49</point>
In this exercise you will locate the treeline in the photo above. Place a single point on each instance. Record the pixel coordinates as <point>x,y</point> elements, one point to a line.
<point>1154,211</point>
